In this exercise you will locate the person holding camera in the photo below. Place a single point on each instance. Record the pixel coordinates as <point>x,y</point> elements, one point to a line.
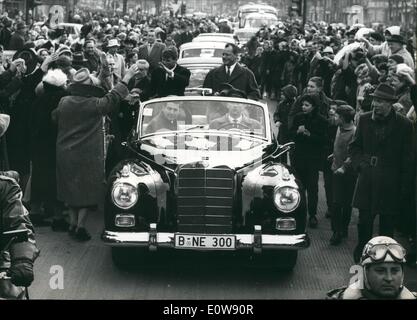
<point>16,257</point>
<point>344,82</point>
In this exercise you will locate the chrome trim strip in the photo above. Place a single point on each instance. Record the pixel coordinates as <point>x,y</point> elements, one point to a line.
<point>243,241</point>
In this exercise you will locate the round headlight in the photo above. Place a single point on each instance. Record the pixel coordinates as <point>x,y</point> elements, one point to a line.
<point>286,199</point>
<point>124,195</point>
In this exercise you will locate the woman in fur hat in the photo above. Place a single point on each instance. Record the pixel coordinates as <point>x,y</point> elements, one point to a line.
<point>43,146</point>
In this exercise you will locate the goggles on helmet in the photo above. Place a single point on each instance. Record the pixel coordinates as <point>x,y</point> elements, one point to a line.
<point>378,252</point>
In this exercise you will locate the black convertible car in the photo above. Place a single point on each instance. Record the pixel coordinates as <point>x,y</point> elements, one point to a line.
<point>203,175</point>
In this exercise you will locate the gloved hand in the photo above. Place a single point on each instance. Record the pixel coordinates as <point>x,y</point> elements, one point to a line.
<point>21,272</point>
<point>11,174</point>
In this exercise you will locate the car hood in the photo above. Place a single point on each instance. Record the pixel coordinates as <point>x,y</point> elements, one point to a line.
<point>246,153</point>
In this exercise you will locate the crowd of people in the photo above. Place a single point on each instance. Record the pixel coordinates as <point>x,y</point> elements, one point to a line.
<point>345,96</point>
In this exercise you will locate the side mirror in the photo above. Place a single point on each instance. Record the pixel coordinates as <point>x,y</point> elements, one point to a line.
<point>282,149</point>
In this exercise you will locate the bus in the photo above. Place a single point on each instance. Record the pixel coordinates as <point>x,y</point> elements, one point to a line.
<point>258,20</point>
<point>249,8</point>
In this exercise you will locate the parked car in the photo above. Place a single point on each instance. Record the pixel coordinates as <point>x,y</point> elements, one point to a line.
<point>215,37</point>
<point>208,185</point>
<point>200,58</point>
<point>259,20</point>
<point>243,35</point>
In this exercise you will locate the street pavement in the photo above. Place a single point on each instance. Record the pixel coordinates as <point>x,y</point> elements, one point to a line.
<point>67,269</point>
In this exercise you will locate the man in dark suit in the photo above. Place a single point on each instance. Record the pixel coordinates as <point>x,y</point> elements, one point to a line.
<point>170,78</point>
<point>235,118</point>
<point>382,151</point>
<point>166,120</point>
<point>151,51</point>
<point>18,39</point>
<point>233,73</point>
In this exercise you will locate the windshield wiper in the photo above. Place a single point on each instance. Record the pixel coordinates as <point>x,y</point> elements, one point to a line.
<point>196,127</point>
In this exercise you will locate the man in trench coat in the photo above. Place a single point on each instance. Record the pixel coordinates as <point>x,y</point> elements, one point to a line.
<point>382,151</point>
<point>233,73</point>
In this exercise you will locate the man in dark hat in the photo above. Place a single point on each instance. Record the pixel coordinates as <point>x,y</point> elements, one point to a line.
<point>6,33</point>
<point>397,43</point>
<point>394,45</point>
<point>382,153</point>
<point>18,39</point>
<point>78,60</point>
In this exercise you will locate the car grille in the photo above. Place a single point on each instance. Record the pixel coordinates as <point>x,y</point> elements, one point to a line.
<point>205,200</point>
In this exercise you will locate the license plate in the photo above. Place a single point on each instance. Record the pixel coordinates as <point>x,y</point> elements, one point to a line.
<point>193,241</point>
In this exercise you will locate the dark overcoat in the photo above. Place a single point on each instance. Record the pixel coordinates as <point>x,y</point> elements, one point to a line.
<point>308,150</point>
<point>385,163</point>
<point>154,57</point>
<point>80,143</point>
<point>241,78</point>
<point>43,143</point>
<point>18,142</point>
<point>163,86</point>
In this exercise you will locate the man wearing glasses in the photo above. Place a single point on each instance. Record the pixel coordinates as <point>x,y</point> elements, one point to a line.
<point>382,275</point>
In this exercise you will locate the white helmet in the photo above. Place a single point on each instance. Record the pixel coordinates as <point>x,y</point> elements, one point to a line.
<point>382,249</point>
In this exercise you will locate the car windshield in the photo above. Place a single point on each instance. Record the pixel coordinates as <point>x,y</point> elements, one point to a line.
<point>197,77</point>
<point>202,53</point>
<point>213,37</point>
<point>211,116</point>
<point>258,22</point>
<point>245,34</point>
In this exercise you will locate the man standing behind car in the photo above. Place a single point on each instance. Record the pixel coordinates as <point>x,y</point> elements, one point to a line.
<point>169,78</point>
<point>18,260</point>
<point>233,73</point>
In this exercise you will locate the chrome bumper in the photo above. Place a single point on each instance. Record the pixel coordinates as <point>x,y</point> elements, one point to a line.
<point>256,241</point>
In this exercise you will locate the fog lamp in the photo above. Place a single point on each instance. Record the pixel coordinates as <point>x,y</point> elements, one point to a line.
<point>285,224</point>
<point>124,220</point>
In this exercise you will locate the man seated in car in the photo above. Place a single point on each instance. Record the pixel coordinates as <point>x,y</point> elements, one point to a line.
<point>235,118</point>
<point>166,120</point>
